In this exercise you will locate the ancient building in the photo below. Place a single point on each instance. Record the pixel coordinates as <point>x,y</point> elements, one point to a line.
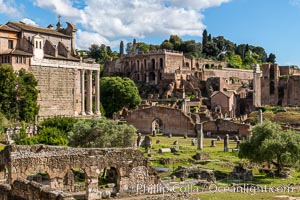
<point>128,167</point>
<point>223,102</point>
<point>280,85</point>
<point>173,75</point>
<point>161,119</point>
<point>222,127</point>
<point>65,82</point>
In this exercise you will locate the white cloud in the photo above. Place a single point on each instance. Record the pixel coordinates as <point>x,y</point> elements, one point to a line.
<point>28,21</point>
<point>295,3</point>
<point>85,39</point>
<point>107,20</point>
<point>8,8</point>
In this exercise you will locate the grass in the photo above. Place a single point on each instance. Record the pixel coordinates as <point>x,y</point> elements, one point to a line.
<point>246,196</point>
<point>224,162</point>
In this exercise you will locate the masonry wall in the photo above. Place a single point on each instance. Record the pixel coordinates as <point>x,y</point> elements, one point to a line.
<point>58,91</point>
<point>222,127</point>
<point>24,189</point>
<point>174,121</point>
<point>227,73</point>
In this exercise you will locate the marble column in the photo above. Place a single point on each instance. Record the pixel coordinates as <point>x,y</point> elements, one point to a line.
<point>97,95</point>
<point>89,89</point>
<point>82,92</point>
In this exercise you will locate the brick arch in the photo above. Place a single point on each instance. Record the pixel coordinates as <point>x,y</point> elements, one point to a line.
<point>174,121</point>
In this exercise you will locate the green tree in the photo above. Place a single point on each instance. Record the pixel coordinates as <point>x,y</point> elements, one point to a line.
<point>121,47</point>
<point>94,52</point>
<point>142,47</point>
<point>8,83</point>
<point>129,48</point>
<point>235,61</point>
<point>272,144</point>
<point>204,37</point>
<point>49,136</point>
<point>27,95</point>
<point>102,133</point>
<point>167,45</point>
<point>271,58</point>
<point>64,124</point>
<point>117,93</point>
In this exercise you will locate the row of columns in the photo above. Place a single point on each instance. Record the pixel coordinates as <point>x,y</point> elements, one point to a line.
<point>89,93</point>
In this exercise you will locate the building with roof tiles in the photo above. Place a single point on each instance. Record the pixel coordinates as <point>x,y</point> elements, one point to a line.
<point>65,83</point>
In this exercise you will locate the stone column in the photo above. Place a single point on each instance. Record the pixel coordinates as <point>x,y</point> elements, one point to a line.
<point>260,116</point>
<point>200,137</point>
<point>97,95</point>
<point>91,183</point>
<point>82,93</point>
<point>89,89</point>
<point>226,143</point>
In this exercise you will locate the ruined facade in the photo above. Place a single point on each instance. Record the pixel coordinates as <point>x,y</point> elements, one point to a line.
<point>167,120</point>
<point>65,83</point>
<point>21,162</point>
<point>280,85</point>
<point>173,75</point>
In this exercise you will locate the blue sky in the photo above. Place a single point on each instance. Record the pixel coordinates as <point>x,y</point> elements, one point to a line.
<point>272,24</point>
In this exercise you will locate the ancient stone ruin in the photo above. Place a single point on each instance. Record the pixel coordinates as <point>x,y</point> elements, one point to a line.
<point>53,166</point>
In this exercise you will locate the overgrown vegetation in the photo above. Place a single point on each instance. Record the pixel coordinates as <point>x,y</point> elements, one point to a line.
<point>101,133</point>
<point>63,131</point>
<point>118,93</point>
<point>269,143</point>
<point>18,94</point>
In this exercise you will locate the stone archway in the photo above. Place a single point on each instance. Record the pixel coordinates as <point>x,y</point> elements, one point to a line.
<point>174,121</point>
<point>157,126</point>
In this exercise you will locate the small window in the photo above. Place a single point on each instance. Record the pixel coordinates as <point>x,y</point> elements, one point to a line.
<point>24,60</point>
<point>40,45</point>
<point>17,59</point>
<point>10,44</point>
<point>36,44</point>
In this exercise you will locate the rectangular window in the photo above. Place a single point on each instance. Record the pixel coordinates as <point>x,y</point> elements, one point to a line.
<point>10,44</point>
<point>24,60</point>
<point>17,59</point>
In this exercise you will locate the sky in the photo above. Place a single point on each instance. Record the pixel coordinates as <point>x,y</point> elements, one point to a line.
<point>272,24</point>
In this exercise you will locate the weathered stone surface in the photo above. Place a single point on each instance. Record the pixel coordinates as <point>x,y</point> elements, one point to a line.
<point>174,121</point>
<point>201,156</point>
<point>131,166</point>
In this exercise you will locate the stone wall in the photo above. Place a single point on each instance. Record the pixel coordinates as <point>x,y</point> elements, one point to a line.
<point>222,127</point>
<point>227,73</point>
<point>58,91</point>
<point>27,190</point>
<point>174,121</point>
<point>132,168</point>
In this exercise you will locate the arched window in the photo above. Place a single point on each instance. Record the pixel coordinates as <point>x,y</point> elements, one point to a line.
<point>151,76</point>
<point>272,72</point>
<point>272,87</point>
<point>36,44</point>
<point>187,64</point>
<point>145,64</point>
<point>161,63</point>
<point>152,64</point>
<point>40,44</point>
